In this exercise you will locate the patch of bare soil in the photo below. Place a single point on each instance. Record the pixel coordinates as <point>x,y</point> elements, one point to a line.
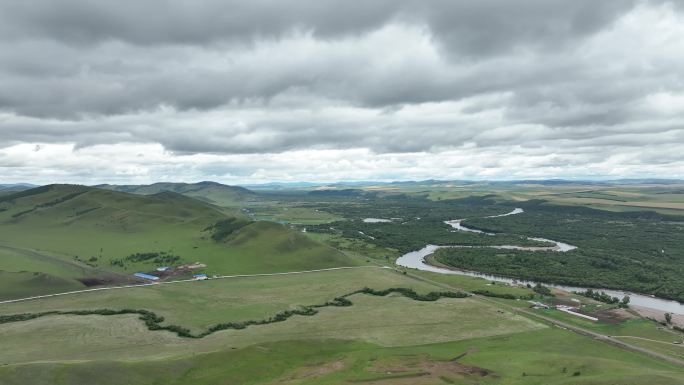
<point>321,370</point>
<point>425,371</point>
<point>441,368</point>
<point>92,281</point>
<point>612,316</point>
<point>312,372</point>
<point>106,280</point>
<point>177,271</point>
<point>658,315</point>
<point>309,372</point>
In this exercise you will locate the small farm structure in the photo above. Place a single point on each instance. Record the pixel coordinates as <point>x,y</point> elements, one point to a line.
<point>571,310</point>
<point>147,276</point>
<point>538,305</point>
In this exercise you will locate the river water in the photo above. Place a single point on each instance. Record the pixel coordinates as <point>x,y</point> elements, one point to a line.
<point>416,260</point>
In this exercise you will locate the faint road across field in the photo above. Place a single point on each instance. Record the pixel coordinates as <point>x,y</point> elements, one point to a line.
<point>573,328</point>
<point>191,280</point>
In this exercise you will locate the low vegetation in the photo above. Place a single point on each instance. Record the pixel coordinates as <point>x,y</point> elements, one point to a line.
<point>225,227</point>
<point>154,322</point>
<point>637,251</point>
<point>161,258</point>
<point>605,298</point>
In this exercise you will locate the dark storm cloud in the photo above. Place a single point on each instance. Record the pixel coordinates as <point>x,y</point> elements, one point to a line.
<point>70,58</point>
<point>484,25</point>
<point>489,27</point>
<point>188,22</point>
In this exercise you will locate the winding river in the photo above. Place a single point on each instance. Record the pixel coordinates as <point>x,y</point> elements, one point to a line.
<point>416,260</point>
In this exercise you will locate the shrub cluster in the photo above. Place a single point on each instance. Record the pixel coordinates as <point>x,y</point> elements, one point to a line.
<point>605,298</point>
<point>488,293</point>
<point>156,257</point>
<point>49,204</point>
<point>431,296</point>
<point>543,290</point>
<point>223,228</point>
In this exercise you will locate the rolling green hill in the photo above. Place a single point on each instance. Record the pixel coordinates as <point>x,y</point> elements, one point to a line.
<point>211,192</point>
<point>65,237</point>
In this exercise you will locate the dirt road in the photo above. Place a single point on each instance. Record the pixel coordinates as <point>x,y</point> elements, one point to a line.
<point>189,280</point>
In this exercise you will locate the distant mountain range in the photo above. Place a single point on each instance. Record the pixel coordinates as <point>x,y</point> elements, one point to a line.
<point>434,182</point>
<point>210,192</point>
<point>214,192</point>
<point>17,186</point>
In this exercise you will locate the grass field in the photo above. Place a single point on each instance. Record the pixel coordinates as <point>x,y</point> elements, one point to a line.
<point>519,358</point>
<point>473,283</point>
<point>379,320</point>
<point>663,199</point>
<point>198,305</point>
<point>620,198</point>
<point>636,331</point>
<point>277,212</point>
<point>357,247</point>
<point>378,340</point>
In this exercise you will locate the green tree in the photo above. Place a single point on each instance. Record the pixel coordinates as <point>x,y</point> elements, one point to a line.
<point>625,301</point>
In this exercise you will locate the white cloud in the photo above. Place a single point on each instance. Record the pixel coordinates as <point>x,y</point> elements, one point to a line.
<point>401,94</point>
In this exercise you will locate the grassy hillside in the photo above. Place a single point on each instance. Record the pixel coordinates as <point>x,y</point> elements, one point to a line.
<point>211,192</point>
<point>75,234</point>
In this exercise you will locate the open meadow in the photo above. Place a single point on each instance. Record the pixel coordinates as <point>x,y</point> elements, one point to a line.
<point>386,340</point>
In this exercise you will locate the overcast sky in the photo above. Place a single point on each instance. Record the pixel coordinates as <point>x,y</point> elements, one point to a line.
<point>323,90</point>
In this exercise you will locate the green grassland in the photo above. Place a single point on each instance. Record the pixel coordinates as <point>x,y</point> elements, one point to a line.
<point>380,344</point>
<point>636,331</point>
<point>662,199</point>
<point>360,248</point>
<point>666,199</point>
<point>343,362</point>
<point>197,305</point>
<point>74,232</point>
<point>386,340</point>
<point>291,214</point>
<point>474,283</point>
<point>380,320</point>
<point>625,199</point>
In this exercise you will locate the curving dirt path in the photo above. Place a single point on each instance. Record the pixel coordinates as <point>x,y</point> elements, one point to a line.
<point>613,340</point>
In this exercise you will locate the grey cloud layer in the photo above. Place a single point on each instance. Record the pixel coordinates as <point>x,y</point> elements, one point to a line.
<point>458,23</point>
<point>404,76</point>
